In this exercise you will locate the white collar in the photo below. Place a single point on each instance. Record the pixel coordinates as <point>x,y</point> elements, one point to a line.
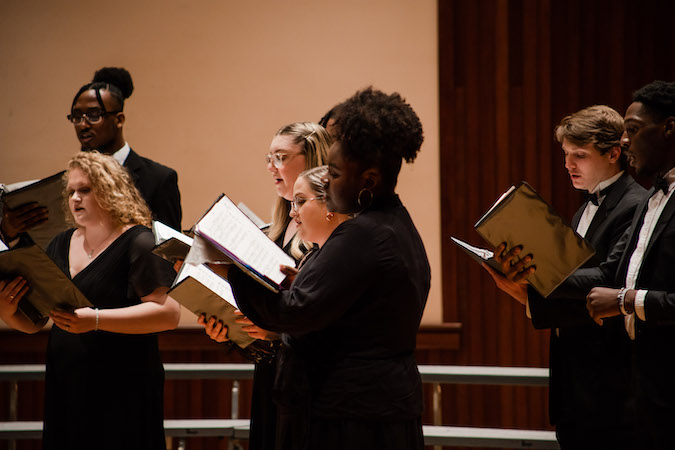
<point>122,154</point>
<point>606,183</point>
<point>670,177</point>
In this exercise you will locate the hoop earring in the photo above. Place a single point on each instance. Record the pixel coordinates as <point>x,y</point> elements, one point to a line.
<point>329,216</point>
<point>361,203</point>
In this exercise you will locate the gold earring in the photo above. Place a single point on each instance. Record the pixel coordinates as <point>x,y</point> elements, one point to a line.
<point>329,216</point>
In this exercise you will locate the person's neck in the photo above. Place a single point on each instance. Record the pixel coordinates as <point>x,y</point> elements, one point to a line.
<point>607,181</point>
<point>112,146</point>
<point>95,234</point>
<point>335,222</point>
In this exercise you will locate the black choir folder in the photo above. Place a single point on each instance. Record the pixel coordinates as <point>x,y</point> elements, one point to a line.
<point>49,287</point>
<point>521,217</point>
<point>170,244</point>
<point>202,291</point>
<point>230,231</point>
<point>48,193</point>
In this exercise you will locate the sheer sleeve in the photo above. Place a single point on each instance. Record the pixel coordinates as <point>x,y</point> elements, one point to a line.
<point>147,271</point>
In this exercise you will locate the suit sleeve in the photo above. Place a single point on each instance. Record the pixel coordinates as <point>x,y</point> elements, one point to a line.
<point>660,307</point>
<point>166,204</point>
<point>325,288</point>
<point>566,306</point>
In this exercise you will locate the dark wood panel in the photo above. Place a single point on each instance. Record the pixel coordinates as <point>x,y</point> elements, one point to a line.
<point>509,70</point>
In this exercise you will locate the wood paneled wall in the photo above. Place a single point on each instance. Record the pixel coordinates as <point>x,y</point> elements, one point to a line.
<point>509,70</point>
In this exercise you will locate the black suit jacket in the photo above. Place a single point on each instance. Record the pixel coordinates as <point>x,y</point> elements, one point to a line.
<point>158,185</point>
<point>583,354</point>
<point>654,362</point>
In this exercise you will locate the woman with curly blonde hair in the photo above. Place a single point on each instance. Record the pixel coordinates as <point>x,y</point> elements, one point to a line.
<point>116,193</point>
<point>104,378</point>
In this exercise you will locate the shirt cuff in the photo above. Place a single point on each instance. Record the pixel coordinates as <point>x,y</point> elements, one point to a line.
<point>640,304</point>
<point>527,309</point>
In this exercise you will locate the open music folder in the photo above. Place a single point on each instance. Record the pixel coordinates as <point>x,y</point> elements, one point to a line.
<point>521,217</point>
<point>47,192</point>
<point>169,243</point>
<point>229,230</point>
<point>202,291</point>
<point>49,287</point>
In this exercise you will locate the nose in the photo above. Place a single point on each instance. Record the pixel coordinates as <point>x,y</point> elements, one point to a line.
<point>83,124</point>
<point>625,140</point>
<point>568,162</point>
<point>293,213</point>
<point>271,167</point>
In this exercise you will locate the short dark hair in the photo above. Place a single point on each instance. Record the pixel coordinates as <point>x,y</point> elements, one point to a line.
<point>658,98</point>
<point>115,80</point>
<point>378,130</point>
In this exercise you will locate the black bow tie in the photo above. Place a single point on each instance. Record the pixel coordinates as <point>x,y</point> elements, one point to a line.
<point>595,197</point>
<point>660,184</point>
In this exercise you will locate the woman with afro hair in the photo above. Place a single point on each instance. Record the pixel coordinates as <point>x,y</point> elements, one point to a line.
<point>351,315</point>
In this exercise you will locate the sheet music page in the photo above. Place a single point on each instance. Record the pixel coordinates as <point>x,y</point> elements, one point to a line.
<point>253,216</point>
<point>209,279</point>
<point>229,228</point>
<point>481,252</point>
<point>202,252</point>
<point>164,232</point>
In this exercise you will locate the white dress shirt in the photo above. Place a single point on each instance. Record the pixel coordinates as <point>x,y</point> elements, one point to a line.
<point>655,207</point>
<point>590,210</point>
<point>122,154</point>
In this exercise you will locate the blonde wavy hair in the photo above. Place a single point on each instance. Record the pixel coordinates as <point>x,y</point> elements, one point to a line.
<point>113,189</point>
<point>314,142</point>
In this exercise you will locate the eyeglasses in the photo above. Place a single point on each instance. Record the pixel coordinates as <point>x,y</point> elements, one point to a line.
<point>297,202</point>
<point>92,116</point>
<point>279,159</point>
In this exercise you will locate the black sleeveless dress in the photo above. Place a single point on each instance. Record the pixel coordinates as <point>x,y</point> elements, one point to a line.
<point>105,390</point>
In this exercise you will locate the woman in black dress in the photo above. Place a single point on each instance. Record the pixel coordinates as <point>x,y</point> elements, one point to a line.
<point>353,311</point>
<point>295,147</point>
<point>104,378</point>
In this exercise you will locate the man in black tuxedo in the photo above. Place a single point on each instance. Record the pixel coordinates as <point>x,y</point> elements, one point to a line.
<point>637,280</point>
<point>97,113</point>
<point>582,352</point>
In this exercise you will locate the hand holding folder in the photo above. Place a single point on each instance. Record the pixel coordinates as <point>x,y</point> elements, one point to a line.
<point>37,208</point>
<point>521,218</point>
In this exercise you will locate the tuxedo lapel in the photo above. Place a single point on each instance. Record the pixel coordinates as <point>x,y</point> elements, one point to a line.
<point>664,219</point>
<point>599,217</point>
<point>612,198</point>
<point>134,165</point>
<point>635,226</point>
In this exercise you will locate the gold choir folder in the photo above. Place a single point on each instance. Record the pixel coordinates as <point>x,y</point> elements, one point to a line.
<point>521,217</point>
<point>235,235</point>
<point>49,287</point>
<point>48,193</point>
<point>202,291</point>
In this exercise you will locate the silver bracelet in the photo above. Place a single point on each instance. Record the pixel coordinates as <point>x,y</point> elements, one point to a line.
<point>96,327</point>
<point>621,296</point>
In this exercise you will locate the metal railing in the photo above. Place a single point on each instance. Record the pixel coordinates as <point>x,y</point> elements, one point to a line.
<point>436,375</point>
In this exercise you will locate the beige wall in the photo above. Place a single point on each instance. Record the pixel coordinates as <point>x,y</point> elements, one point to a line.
<point>214,80</point>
